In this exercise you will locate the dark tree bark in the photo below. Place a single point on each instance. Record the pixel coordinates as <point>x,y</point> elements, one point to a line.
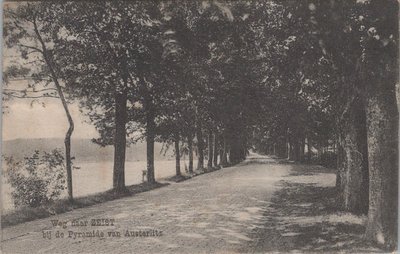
<point>215,158</point>
<point>210,149</point>
<point>295,149</point>
<point>309,152</point>
<point>177,155</point>
<point>235,149</point>
<point>224,158</point>
<point>200,146</point>
<point>67,140</point>
<point>340,168</point>
<point>274,149</point>
<point>291,150</point>
<point>382,127</point>
<point>120,141</point>
<point>190,147</point>
<point>281,148</point>
<point>68,160</point>
<point>353,171</point>
<point>319,151</point>
<point>301,150</point>
<point>150,134</point>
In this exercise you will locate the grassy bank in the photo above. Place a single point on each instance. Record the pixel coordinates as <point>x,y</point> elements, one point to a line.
<point>26,214</point>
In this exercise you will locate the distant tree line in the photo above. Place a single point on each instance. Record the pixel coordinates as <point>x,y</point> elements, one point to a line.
<point>217,78</point>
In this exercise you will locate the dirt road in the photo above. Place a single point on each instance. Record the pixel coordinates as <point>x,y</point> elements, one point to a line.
<point>229,210</point>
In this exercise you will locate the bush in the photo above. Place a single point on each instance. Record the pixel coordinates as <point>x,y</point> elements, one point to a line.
<point>36,180</point>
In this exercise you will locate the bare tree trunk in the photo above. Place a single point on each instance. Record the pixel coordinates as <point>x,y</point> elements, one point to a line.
<point>177,155</point>
<point>200,146</point>
<point>224,158</point>
<point>235,150</point>
<point>67,141</point>
<point>281,148</point>
<point>309,152</point>
<point>382,126</point>
<point>190,146</point>
<point>295,145</point>
<point>320,151</point>
<point>150,129</point>
<point>301,149</point>
<point>340,168</point>
<point>215,159</point>
<point>353,171</point>
<point>210,149</point>
<point>120,141</point>
<point>291,150</point>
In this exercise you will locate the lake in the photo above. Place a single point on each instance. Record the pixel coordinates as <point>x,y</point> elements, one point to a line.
<point>94,177</point>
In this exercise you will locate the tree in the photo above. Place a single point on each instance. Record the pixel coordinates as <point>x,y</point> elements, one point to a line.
<point>380,74</point>
<point>29,29</point>
<point>113,31</point>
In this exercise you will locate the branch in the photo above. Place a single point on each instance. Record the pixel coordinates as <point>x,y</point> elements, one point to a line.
<point>36,60</point>
<point>347,107</point>
<point>56,83</point>
<point>29,78</point>
<point>31,47</point>
<point>32,97</point>
<point>25,91</point>
<point>45,89</point>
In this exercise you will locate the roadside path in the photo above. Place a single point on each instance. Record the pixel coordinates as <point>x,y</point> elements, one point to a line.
<point>225,211</point>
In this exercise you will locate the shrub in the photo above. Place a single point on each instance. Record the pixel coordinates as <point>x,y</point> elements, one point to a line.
<point>37,179</point>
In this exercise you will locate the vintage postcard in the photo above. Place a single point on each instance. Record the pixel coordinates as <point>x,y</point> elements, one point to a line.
<point>213,126</point>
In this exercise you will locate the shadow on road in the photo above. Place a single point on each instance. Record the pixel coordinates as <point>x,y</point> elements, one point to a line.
<point>303,217</point>
<point>260,160</point>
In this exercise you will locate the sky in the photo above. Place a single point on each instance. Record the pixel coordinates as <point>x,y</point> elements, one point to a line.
<point>23,120</point>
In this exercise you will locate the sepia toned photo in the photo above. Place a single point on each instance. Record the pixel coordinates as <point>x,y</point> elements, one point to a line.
<point>200,126</point>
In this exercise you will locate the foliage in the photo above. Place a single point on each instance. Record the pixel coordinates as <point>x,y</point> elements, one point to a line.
<point>37,179</point>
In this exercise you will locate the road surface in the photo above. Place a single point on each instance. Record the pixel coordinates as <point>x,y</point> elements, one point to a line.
<point>226,211</point>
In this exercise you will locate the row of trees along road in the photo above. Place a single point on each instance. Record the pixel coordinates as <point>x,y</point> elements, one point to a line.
<point>216,78</point>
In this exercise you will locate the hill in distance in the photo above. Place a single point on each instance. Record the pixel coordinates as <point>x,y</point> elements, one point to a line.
<point>84,150</point>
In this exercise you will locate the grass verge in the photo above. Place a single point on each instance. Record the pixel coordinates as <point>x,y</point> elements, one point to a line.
<point>184,177</point>
<point>26,214</point>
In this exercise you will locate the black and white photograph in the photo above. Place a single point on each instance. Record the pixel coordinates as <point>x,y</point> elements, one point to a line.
<point>200,126</point>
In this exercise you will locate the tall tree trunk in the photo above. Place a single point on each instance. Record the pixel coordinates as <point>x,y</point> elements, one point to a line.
<point>200,146</point>
<point>296,150</point>
<point>215,159</point>
<point>340,168</point>
<point>281,148</point>
<point>67,141</point>
<point>177,155</point>
<point>288,145</point>
<point>382,126</point>
<point>210,149</point>
<point>309,152</point>
<point>120,141</point>
<point>301,150</point>
<point>353,174</point>
<point>320,149</point>
<point>190,147</point>
<point>150,134</point>
<point>235,150</point>
<point>68,160</point>
<point>224,158</point>
<point>291,150</point>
